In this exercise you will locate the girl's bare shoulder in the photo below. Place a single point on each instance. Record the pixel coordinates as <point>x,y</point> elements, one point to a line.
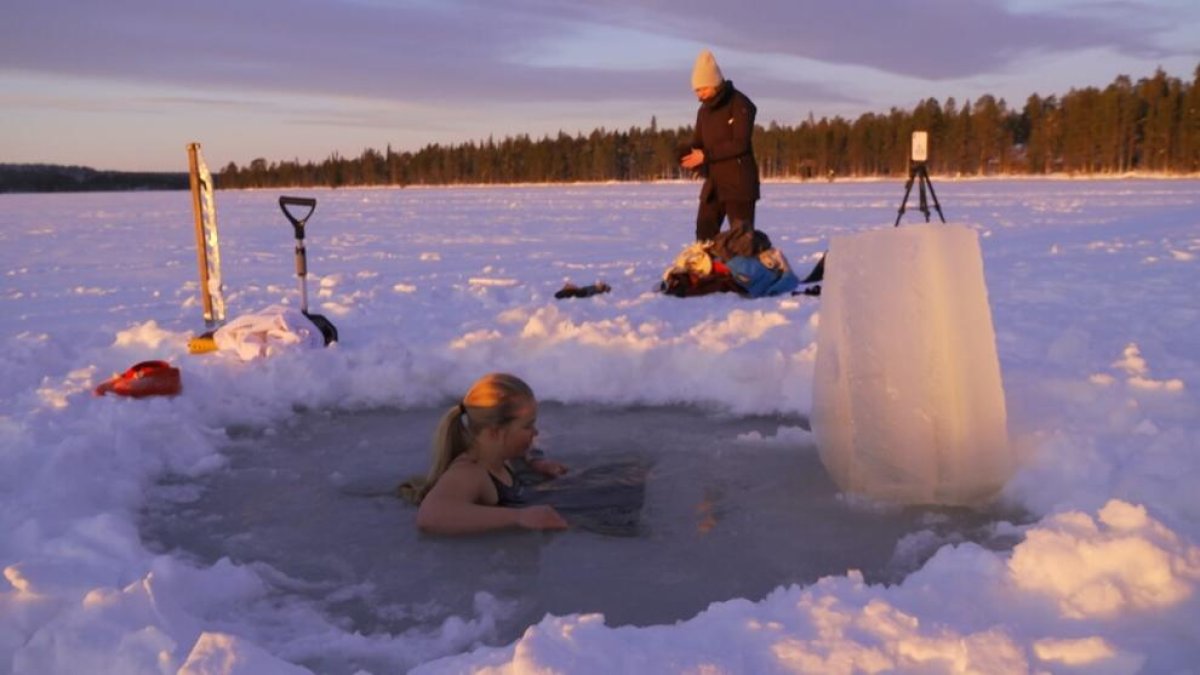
<point>468,479</point>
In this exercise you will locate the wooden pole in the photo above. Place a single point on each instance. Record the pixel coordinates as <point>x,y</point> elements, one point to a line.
<point>201,248</point>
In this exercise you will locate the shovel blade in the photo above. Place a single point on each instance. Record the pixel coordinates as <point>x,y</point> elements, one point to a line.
<point>328,330</point>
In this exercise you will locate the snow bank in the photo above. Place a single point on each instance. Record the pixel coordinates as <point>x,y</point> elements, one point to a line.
<point>1050,606</point>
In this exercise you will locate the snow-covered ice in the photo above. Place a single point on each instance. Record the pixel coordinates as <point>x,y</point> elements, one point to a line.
<point>1092,289</point>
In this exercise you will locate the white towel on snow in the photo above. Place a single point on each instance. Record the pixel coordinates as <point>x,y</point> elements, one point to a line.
<point>267,332</point>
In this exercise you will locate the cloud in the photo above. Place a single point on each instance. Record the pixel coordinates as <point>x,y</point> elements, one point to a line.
<point>378,50</point>
<point>931,39</point>
<point>471,50</point>
<point>401,51</point>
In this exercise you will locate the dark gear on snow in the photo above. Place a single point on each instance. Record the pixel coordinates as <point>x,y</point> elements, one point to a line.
<point>570,290</point>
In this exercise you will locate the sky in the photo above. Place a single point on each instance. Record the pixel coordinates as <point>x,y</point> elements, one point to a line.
<point>128,84</point>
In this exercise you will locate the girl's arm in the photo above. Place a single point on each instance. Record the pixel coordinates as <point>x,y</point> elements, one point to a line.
<point>455,506</point>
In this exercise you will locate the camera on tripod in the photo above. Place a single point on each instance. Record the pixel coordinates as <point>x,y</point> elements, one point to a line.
<point>918,172</point>
<point>920,146</point>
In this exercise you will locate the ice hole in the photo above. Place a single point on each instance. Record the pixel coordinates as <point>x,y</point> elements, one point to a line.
<point>733,507</point>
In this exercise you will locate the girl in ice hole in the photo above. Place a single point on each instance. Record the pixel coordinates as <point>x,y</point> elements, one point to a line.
<point>470,487</point>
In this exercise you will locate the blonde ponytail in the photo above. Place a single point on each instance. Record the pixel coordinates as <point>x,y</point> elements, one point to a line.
<point>494,400</point>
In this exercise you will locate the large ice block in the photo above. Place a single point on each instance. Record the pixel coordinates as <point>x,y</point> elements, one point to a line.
<point>908,405</point>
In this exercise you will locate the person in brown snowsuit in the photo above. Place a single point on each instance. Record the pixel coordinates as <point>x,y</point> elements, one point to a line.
<point>722,153</point>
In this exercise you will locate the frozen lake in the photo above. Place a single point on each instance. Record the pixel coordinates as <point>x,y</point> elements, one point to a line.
<point>249,518</point>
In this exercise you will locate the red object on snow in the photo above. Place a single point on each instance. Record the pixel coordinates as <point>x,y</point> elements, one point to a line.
<point>148,378</point>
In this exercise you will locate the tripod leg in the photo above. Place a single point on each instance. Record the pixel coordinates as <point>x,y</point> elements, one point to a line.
<point>907,189</point>
<point>936,205</point>
<point>924,205</point>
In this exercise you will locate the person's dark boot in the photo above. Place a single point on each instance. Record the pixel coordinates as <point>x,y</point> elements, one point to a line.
<point>741,239</point>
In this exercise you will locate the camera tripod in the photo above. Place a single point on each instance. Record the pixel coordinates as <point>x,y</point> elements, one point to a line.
<point>918,173</point>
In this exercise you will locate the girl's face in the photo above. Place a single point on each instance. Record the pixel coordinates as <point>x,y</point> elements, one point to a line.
<point>519,433</point>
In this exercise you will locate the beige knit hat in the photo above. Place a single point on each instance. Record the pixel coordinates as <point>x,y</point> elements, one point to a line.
<point>706,73</point>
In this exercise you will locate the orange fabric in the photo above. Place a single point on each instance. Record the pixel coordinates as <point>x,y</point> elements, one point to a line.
<point>148,378</point>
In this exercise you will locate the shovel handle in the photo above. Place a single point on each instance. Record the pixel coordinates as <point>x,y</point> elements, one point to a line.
<point>297,222</point>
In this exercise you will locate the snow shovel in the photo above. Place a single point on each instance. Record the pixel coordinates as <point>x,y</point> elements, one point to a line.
<point>328,330</point>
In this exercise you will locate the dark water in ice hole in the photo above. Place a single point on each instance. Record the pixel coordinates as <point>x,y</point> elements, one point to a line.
<point>722,518</point>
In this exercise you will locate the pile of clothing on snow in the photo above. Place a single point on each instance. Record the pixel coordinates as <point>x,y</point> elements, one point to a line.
<point>735,261</point>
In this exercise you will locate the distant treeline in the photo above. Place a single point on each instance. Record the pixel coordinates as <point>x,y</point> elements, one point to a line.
<point>1148,126</point>
<point>1152,125</point>
<point>54,178</point>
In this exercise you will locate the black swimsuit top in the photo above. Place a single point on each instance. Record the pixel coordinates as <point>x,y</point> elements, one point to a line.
<point>508,495</point>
